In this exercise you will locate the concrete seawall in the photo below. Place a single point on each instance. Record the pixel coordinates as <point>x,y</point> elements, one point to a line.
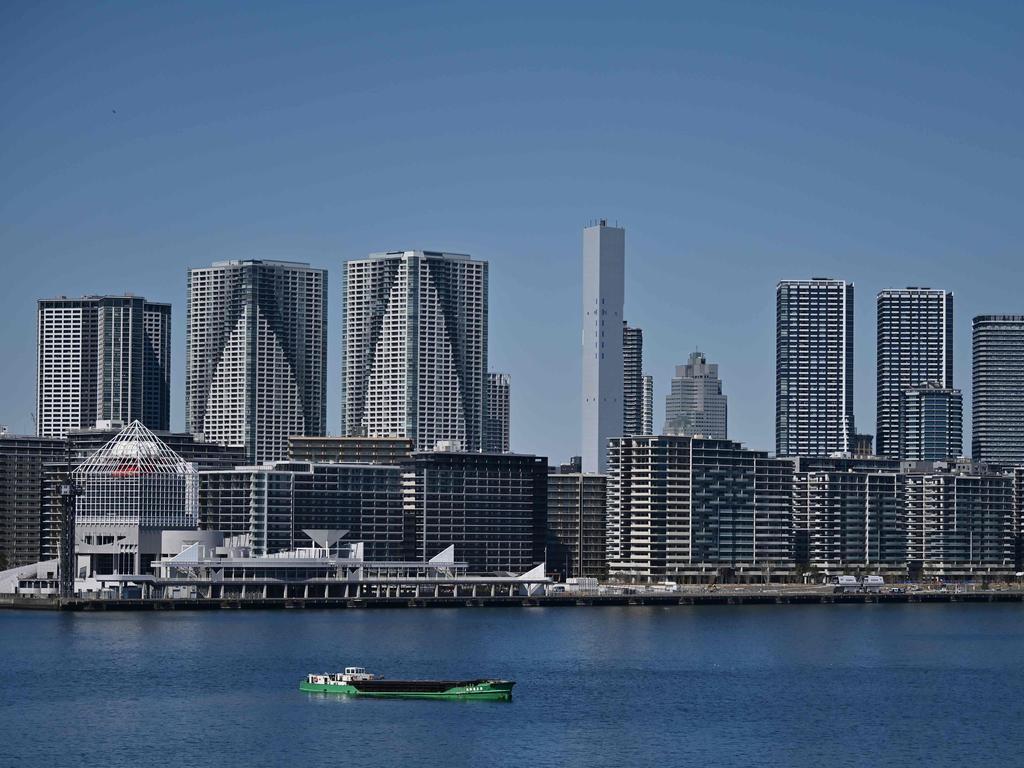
<point>765,597</point>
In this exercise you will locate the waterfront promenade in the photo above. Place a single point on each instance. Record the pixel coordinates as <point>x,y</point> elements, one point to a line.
<point>722,596</point>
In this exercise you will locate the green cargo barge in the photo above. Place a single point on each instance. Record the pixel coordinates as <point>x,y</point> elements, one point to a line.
<point>356,681</point>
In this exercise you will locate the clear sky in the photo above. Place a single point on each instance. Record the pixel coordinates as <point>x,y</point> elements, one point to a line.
<point>737,143</point>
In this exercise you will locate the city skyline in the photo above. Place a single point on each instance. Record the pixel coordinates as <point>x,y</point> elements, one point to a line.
<point>783,170</point>
<point>333,418</point>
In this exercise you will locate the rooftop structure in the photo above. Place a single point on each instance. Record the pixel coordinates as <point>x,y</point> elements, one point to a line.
<point>328,568</point>
<point>349,450</point>
<point>136,479</point>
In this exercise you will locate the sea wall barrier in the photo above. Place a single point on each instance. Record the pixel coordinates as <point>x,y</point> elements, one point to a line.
<point>764,597</point>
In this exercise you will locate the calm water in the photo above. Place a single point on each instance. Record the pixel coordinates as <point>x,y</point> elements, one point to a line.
<point>861,685</point>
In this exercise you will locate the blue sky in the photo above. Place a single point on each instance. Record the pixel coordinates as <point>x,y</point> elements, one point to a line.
<point>738,143</point>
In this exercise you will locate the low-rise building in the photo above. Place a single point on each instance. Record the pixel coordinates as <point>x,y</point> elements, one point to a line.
<point>491,506</point>
<point>274,503</point>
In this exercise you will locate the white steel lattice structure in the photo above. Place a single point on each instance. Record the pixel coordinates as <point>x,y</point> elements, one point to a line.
<point>135,479</point>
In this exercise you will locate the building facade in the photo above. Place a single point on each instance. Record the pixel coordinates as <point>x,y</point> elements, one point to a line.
<point>856,521</point>
<point>497,416</point>
<point>692,509</point>
<point>915,348</point>
<point>274,503</point>
<point>577,520</point>
<point>256,348</point>
<point>22,460</point>
<point>931,423</point>
<point>415,348</point>
<point>491,507</point>
<point>102,358</point>
<point>960,522</point>
<point>604,263</point>
<point>803,468</point>
<point>647,421</point>
<point>80,445</point>
<point>814,367</point>
<point>349,450</point>
<point>632,380</point>
<point>129,490</point>
<point>696,405</point>
<point>998,397</point>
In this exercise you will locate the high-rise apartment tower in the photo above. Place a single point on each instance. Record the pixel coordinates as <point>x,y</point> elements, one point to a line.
<point>915,348</point>
<point>632,380</point>
<point>814,367</point>
<point>102,358</point>
<point>256,347</point>
<point>647,418</point>
<point>497,421</point>
<point>415,348</point>
<point>998,397</point>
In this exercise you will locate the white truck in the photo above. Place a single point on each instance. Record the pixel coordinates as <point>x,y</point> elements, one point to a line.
<point>846,584</point>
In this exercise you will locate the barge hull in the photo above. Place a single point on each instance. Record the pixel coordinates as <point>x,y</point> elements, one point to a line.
<point>496,691</point>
